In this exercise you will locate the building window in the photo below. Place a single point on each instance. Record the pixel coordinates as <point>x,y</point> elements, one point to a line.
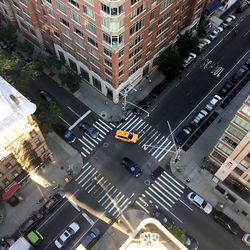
<point>78,32</point>
<point>16,4</point>
<point>38,142</point>
<point>79,42</point>
<point>138,11</point>
<point>163,18</point>
<point>134,2</point>
<point>93,61</point>
<point>121,53</point>
<point>136,51</point>
<point>112,25</point>
<point>8,166</point>
<point>238,171</point>
<point>107,52</point>
<point>234,132</point>
<point>112,11</point>
<point>136,40</point>
<point>68,42</point>
<point>23,2</point>
<point>120,73</point>
<point>90,1</point>
<point>15,173</point>
<point>218,156</point>
<point>81,52</point>
<point>120,64</point>
<point>91,27</point>
<point>93,42</point>
<point>107,62</point>
<point>33,133</point>
<point>165,4</point>
<point>64,22</point>
<point>94,53</point>
<point>66,32</point>
<point>57,34</point>
<point>89,12</point>
<point>223,148</point>
<point>113,40</point>
<point>152,15</point>
<point>6,181</point>
<point>242,123</point>
<point>108,72</point>
<point>76,17</point>
<point>61,6</point>
<point>136,60</point>
<point>245,110</point>
<point>42,150</point>
<point>74,2</point>
<point>137,26</point>
<point>230,142</point>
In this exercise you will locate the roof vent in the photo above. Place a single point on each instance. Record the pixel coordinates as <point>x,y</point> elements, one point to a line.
<point>15,99</point>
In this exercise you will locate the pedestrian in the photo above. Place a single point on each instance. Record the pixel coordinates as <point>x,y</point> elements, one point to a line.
<point>149,80</point>
<point>147,76</point>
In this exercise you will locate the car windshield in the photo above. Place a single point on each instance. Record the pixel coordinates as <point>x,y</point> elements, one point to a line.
<point>67,134</point>
<point>203,204</point>
<point>60,241</point>
<point>130,136</point>
<point>70,230</point>
<point>132,169</point>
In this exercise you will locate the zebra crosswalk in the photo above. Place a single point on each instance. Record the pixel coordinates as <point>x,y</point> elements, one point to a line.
<point>89,143</point>
<point>150,139</point>
<point>105,193</point>
<point>164,192</point>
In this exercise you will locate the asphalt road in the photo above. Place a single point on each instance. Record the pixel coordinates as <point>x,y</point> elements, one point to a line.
<point>103,173</point>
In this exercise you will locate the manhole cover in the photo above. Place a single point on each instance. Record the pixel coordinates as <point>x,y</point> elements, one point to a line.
<point>147,182</point>
<point>105,144</point>
<point>103,115</point>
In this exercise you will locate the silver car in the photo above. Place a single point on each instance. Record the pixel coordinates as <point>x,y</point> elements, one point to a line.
<point>200,202</point>
<point>215,33</point>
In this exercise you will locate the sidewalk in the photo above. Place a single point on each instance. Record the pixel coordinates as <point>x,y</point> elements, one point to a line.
<point>42,186</point>
<point>188,168</point>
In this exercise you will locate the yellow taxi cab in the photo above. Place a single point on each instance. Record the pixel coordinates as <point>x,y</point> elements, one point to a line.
<point>126,136</point>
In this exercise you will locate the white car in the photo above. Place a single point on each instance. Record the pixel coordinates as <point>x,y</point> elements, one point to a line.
<point>246,239</point>
<point>200,202</point>
<point>190,58</point>
<point>63,239</point>
<point>199,117</point>
<point>203,44</point>
<point>213,103</point>
<point>228,21</point>
<point>215,33</point>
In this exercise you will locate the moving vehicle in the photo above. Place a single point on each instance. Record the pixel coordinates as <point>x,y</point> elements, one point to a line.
<point>91,237</point>
<point>32,239</point>
<point>203,44</point>
<point>225,89</point>
<point>199,117</point>
<point>227,222</point>
<point>156,91</point>
<point>133,168</point>
<point>200,202</point>
<point>53,201</point>
<point>64,238</point>
<point>246,239</point>
<point>191,243</point>
<point>30,223</point>
<point>240,73</point>
<point>213,103</point>
<point>183,135</point>
<point>126,136</point>
<point>215,33</point>
<point>188,60</point>
<point>89,129</point>
<point>69,136</point>
<point>47,97</point>
<point>228,21</point>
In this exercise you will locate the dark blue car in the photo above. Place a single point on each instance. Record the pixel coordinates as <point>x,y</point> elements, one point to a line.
<point>133,168</point>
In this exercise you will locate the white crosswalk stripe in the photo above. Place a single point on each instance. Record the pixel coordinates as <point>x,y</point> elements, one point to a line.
<point>89,143</point>
<point>165,191</point>
<point>149,139</point>
<point>106,194</point>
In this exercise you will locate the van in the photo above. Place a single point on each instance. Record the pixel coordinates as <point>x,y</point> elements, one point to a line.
<point>126,136</point>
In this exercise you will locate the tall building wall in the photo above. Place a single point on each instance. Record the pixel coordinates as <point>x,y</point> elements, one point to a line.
<point>113,44</point>
<point>231,154</point>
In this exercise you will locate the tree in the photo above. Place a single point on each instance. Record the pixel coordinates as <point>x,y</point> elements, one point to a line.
<point>186,43</point>
<point>169,62</point>
<point>9,33</point>
<point>201,31</point>
<point>26,47</point>
<point>47,115</point>
<point>178,233</point>
<point>71,80</point>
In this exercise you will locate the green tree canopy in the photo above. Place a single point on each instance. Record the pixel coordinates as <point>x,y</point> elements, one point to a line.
<point>47,115</point>
<point>71,80</point>
<point>25,47</point>
<point>9,33</point>
<point>178,233</point>
<point>169,62</point>
<point>186,43</point>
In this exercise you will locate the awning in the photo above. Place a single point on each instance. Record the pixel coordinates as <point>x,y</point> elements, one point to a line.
<point>10,191</point>
<point>212,7</point>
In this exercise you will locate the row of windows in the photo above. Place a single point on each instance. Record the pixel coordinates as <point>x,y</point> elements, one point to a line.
<point>136,40</point>
<point>112,40</point>
<point>245,110</point>
<point>138,11</point>
<point>223,148</point>
<point>242,123</point>
<point>112,11</point>
<point>6,181</point>
<point>134,52</point>
<point>137,26</point>
<point>136,60</point>
<point>165,4</point>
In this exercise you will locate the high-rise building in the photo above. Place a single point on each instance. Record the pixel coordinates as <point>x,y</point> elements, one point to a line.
<point>231,154</point>
<point>111,43</point>
<point>22,145</point>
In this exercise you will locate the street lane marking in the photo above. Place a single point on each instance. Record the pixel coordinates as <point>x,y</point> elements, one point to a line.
<point>142,207</point>
<point>73,111</point>
<point>74,205</point>
<point>86,174</point>
<point>83,154</point>
<point>91,222</point>
<point>80,119</point>
<point>153,191</point>
<point>174,180</point>
<point>88,141</point>
<point>167,180</point>
<point>186,205</point>
<point>64,120</point>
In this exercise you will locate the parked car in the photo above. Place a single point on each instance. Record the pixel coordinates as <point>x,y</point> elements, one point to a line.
<point>228,21</point>
<point>91,237</point>
<point>243,5</point>
<point>225,89</point>
<point>53,201</point>
<point>163,218</point>
<point>89,129</point>
<point>30,223</point>
<point>47,97</point>
<point>246,239</point>
<point>200,117</point>
<point>203,44</point>
<point>240,73</point>
<point>188,60</point>
<point>66,134</point>
<point>183,135</point>
<point>191,243</point>
<point>156,91</point>
<point>227,222</point>
<point>247,63</point>
<point>213,103</point>
<point>143,104</point>
<point>64,238</point>
<point>200,202</point>
<point>215,33</point>
<point>133,168</point>
<point>3,45</point>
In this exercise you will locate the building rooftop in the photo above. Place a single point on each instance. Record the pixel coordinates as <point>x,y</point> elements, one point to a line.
<point>15,109</point>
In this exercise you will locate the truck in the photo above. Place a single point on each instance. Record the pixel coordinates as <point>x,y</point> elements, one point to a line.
<point>32,239</point>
